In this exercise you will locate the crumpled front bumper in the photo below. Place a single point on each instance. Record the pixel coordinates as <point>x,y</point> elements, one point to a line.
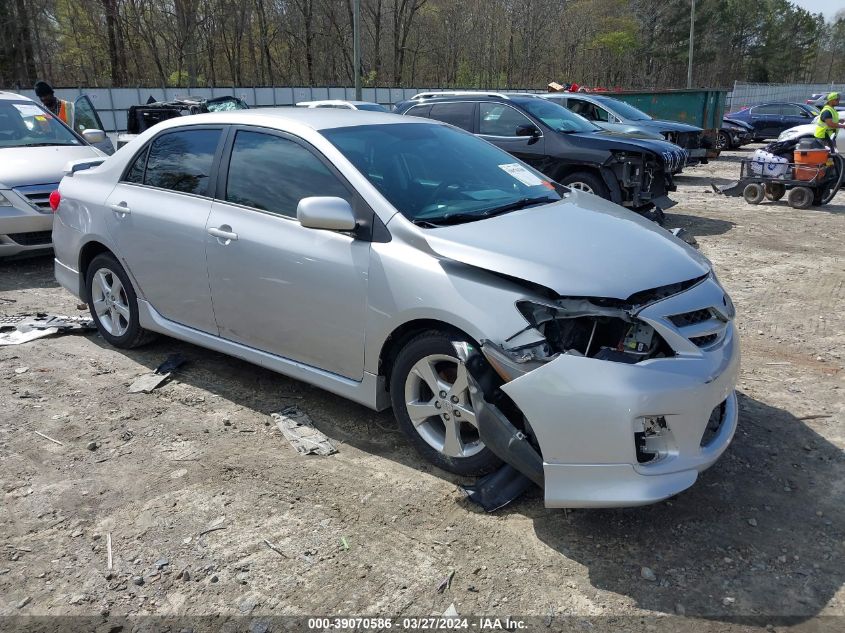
<point>584,414</point>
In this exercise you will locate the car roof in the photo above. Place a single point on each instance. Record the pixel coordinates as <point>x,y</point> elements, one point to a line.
<point>336,101</point>
<point>12,96</point>
<point>313,118</point>
<point>446,97</point>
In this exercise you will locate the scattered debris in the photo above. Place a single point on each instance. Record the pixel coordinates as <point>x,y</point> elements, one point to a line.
<point>344,542</point>
<point>15,330</point>
<point>108,551</point>
<point>728,601</point>
<point>446,583</point>
<point>212,529</point>
<point>46,437</point>
<point>147,382</point>
<point>451,612</point>
<point>138,580</point>
<point>92,446</point>
<point>648,574</point>
<point>752,522</point>
<point>24,602</point>
<point>275,548</point>
<point>161,563</point>
<point>186,575</point>
<point>21,370</point>
<point>818,416</point>
<point>299,430</point>
<point>684,235</point>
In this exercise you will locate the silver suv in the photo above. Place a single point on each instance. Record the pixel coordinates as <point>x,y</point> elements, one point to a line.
<point>404,262</point>
<point>34,149</point>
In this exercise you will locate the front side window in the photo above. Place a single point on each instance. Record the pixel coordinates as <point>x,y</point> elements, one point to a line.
<point>273,174</point>
<point>557,117</point>
<point>434,174</point>
<point>498,119</point>
<point>181,161</point>
<point>457,114</point>
<point>625,110</point>
<point>25,124</point>
<point>85,116</point>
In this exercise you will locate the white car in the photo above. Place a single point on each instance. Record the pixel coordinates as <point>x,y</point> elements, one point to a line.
<point>809,129</point>
<point>343,105</point>
<point>35,147</point>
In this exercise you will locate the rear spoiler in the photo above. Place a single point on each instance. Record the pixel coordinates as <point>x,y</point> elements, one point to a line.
<point>79,165</point>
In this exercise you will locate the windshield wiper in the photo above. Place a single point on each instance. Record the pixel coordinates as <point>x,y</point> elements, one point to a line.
<point>45,145</point>
<point>459,218</point>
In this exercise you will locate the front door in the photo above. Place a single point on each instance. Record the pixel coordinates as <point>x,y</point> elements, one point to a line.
<point>499,124</point>
<point>277,286</point>
<point>766,120</point>
<point>85,117</point>
<point>157,215</point>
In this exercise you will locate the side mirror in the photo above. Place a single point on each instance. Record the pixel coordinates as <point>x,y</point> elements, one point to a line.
<point>528,130</point>
<point>330,214</point>
<point>94,136</point>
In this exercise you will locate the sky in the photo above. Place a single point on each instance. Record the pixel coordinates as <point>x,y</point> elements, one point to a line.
<point>828,7</point>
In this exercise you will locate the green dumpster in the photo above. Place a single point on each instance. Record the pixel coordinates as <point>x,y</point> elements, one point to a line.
<point>704,108</point>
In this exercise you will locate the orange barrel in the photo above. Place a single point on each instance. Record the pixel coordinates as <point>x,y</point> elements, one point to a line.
<point>810,163</point>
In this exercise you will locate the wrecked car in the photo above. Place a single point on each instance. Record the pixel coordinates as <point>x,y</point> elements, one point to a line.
<point>142,117</point>
<point>360,251</point>
<point>619,116</point>
<point>634,172</point>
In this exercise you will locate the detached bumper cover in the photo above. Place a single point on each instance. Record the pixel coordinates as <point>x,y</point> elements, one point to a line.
<point>584,413</point>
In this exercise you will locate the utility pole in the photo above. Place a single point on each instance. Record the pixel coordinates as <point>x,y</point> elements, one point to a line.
<point>691,44</point>
<point>356,46</point>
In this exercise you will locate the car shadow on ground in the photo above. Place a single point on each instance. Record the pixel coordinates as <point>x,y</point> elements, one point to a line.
<point>760,537</point>
<point>698,225</point>
<point>29,272</point>
<point>703,180</point>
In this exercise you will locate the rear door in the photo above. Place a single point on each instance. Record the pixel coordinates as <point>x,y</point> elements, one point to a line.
<point>766,120</point>
<point>157,215</point>
<point>85,117</point>
<point>499,123</point>
<point>277,286</point>
<point>458,113</point>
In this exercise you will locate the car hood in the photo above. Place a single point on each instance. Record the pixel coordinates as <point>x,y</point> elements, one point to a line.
<point>671,154</point>
<point>582,246</point>
<point>657,126</point>
<point>21,166</point>
<point>738,123</point>
<point>797,132</point>
<point>630,131</point>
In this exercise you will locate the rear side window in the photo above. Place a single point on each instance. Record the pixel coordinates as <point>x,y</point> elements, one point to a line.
<point>458,114</point>
<point>766,109</point>
<point>136,171</point>
<point>273,174</point>
<point>420,110</point>
<point>181,161</point>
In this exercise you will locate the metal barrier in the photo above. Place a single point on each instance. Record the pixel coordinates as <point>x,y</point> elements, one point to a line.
<point>113,103</point>
<point>749,94</point>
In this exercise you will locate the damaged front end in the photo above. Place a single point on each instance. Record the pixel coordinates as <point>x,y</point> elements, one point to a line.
<point>645,179</point>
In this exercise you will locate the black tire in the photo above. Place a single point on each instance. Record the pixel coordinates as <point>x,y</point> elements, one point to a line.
<point>584,180</point>
<point>754,193</point>
<point>723,141</point>
<point>427,345</point>
<point>800,198</point>
<point>775,191</point>
<point>134,335</point>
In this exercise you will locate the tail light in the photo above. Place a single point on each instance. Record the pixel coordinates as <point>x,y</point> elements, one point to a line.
<point>55,199</point>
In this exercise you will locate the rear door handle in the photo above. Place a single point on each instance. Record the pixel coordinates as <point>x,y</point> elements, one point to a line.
<point>121,208</point>
<point>222,234</point>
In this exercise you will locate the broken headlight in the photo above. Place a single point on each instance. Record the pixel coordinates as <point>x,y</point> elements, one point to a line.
<point>632,168</point>
<point>583,328</point>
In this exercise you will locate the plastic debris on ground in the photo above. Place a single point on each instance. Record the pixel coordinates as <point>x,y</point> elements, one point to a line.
<point>147,382</point>
<point>299,430</point>
<point>23,328</point>
<point>498,489</point>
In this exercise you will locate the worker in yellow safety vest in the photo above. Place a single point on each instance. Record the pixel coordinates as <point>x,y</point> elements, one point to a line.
<point>59,107</point>
<point>828,122</point>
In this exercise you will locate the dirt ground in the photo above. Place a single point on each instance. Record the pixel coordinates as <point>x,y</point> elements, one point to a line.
<point>758,541</point>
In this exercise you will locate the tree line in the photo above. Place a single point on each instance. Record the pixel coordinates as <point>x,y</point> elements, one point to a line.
<point>488,44</point>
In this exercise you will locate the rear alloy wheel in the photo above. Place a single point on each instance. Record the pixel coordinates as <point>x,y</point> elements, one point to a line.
<point>113,303</point>
<point>585,181</point>
<point>723,141</point>
<point>430,396</point>
<point>800,198</point>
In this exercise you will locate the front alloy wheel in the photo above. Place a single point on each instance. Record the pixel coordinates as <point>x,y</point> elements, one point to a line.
<point>429,391</point>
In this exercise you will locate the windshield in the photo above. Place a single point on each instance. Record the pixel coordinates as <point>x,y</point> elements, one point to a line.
<point>624,110</point>
<point>225,104</point>
<point>24,124</point>
<point>372,107</point>
<point>436,174</point>
<point>557,117</point>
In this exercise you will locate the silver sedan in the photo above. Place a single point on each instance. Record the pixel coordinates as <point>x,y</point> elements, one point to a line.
<point>405,263</point>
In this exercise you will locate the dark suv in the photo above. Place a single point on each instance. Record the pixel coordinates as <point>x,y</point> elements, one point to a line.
<point>633,172</point>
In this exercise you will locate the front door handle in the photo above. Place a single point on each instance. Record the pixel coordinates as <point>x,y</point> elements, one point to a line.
<point>223,233</point>
<point>121,208</point>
